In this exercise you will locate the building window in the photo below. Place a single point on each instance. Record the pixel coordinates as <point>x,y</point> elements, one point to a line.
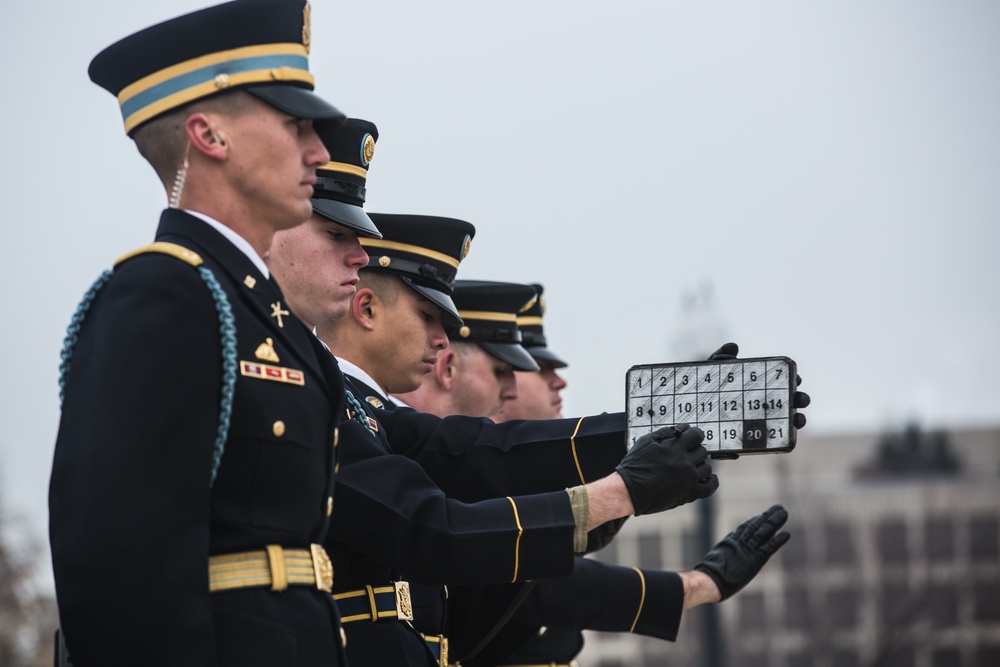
<point>984,546</point>
<point>890,539</point>
<point>793,554</point>
<point>942,605</point>
<point>986,601</point>
<point>844,657</point>
<point>946,656</point>
<point>751,612</point>
<point>939,540</point>
<point>988,656</point>
<point>799,659</point>
<point>797,616</point>
<point>839,543</point>
<point>900,656</point>
<point>842,608</point>
<point>895,606</point>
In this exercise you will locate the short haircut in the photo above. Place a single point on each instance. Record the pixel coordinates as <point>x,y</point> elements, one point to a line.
<point>464,347</point>
<point>387,286</point>
<point>162,141</point>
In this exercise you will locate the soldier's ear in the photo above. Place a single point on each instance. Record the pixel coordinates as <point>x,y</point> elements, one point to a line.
<point>445,368</point>
<point>203,136</point>
<point>363,307</point>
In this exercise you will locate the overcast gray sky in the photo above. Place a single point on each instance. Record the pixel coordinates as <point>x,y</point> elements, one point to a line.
<point>832,169</point>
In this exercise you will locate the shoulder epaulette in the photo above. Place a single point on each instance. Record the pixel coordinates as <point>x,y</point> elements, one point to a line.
<point>172,249</point>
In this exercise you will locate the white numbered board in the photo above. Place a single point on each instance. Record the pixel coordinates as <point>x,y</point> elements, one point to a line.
<point>744,406</point>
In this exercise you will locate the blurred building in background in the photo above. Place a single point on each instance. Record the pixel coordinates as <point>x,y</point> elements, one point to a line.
<point>894,559</point>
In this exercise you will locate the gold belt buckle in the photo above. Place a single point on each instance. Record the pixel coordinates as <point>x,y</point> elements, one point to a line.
<point>322,567</point>
<point>404,606</point>
<point>444,651</point>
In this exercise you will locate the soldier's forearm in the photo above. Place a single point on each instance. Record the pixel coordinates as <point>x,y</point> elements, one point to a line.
<point>607,499</point>
<point>698,589</point>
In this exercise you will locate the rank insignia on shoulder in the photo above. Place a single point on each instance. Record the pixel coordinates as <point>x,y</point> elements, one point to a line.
<point>273,373</point>
<point>374,401</point>
<point>372,424</point>
<point>265,351</point>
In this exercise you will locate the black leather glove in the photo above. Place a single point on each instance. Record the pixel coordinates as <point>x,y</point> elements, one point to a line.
<point>727,351</point>
<point>667,468</point>
<point>800,399</point>
<point>736,560</point>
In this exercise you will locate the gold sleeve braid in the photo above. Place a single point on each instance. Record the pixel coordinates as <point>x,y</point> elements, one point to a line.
<point>572,445</point>
<point>642,599</point>
<point>581,515</point>
<point>517,545</point>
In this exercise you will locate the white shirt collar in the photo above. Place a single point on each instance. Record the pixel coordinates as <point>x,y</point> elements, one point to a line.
<point>241,243</point>
<point>395,399</point>
<point>352,369</point>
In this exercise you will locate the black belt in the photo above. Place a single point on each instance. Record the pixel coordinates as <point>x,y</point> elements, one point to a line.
<point>373,603</point>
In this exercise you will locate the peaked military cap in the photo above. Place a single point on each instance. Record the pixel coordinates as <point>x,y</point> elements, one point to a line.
<point>260,46</point>
<point>424,251</point>
<point>489,314</point>
<point>339,194</point>
<point>529,323</point>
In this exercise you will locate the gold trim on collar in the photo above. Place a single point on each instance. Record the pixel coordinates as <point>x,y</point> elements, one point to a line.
<point>345,168</point>
<point>487,315</point>
<point>412,249</point>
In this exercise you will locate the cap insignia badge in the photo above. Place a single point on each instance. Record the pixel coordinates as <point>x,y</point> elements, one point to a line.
<point>367,149</point>
<point>384,261</point>
<point>464,332</point>
<point>266,351</point>
<point>306,31</point>
<point>466,245</point>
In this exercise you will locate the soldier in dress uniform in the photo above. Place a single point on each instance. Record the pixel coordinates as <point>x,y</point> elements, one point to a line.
<point>538,392</point>
<point>542,622</point>
<point>404,502</point>
<point>193,472</point>
<point>475,375</point>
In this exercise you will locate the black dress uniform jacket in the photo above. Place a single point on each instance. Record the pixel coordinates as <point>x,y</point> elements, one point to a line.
<point>133,514</point>
<point>598,596</point>
<point>506,516</point>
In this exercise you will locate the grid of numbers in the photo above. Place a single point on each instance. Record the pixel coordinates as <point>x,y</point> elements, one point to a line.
<point>739,404</point>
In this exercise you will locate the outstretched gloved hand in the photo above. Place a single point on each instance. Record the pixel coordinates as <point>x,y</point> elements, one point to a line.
<point>667,468</point>
<point>736,560</point>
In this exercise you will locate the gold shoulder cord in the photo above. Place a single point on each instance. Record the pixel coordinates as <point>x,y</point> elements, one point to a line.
<point>172,249</point>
